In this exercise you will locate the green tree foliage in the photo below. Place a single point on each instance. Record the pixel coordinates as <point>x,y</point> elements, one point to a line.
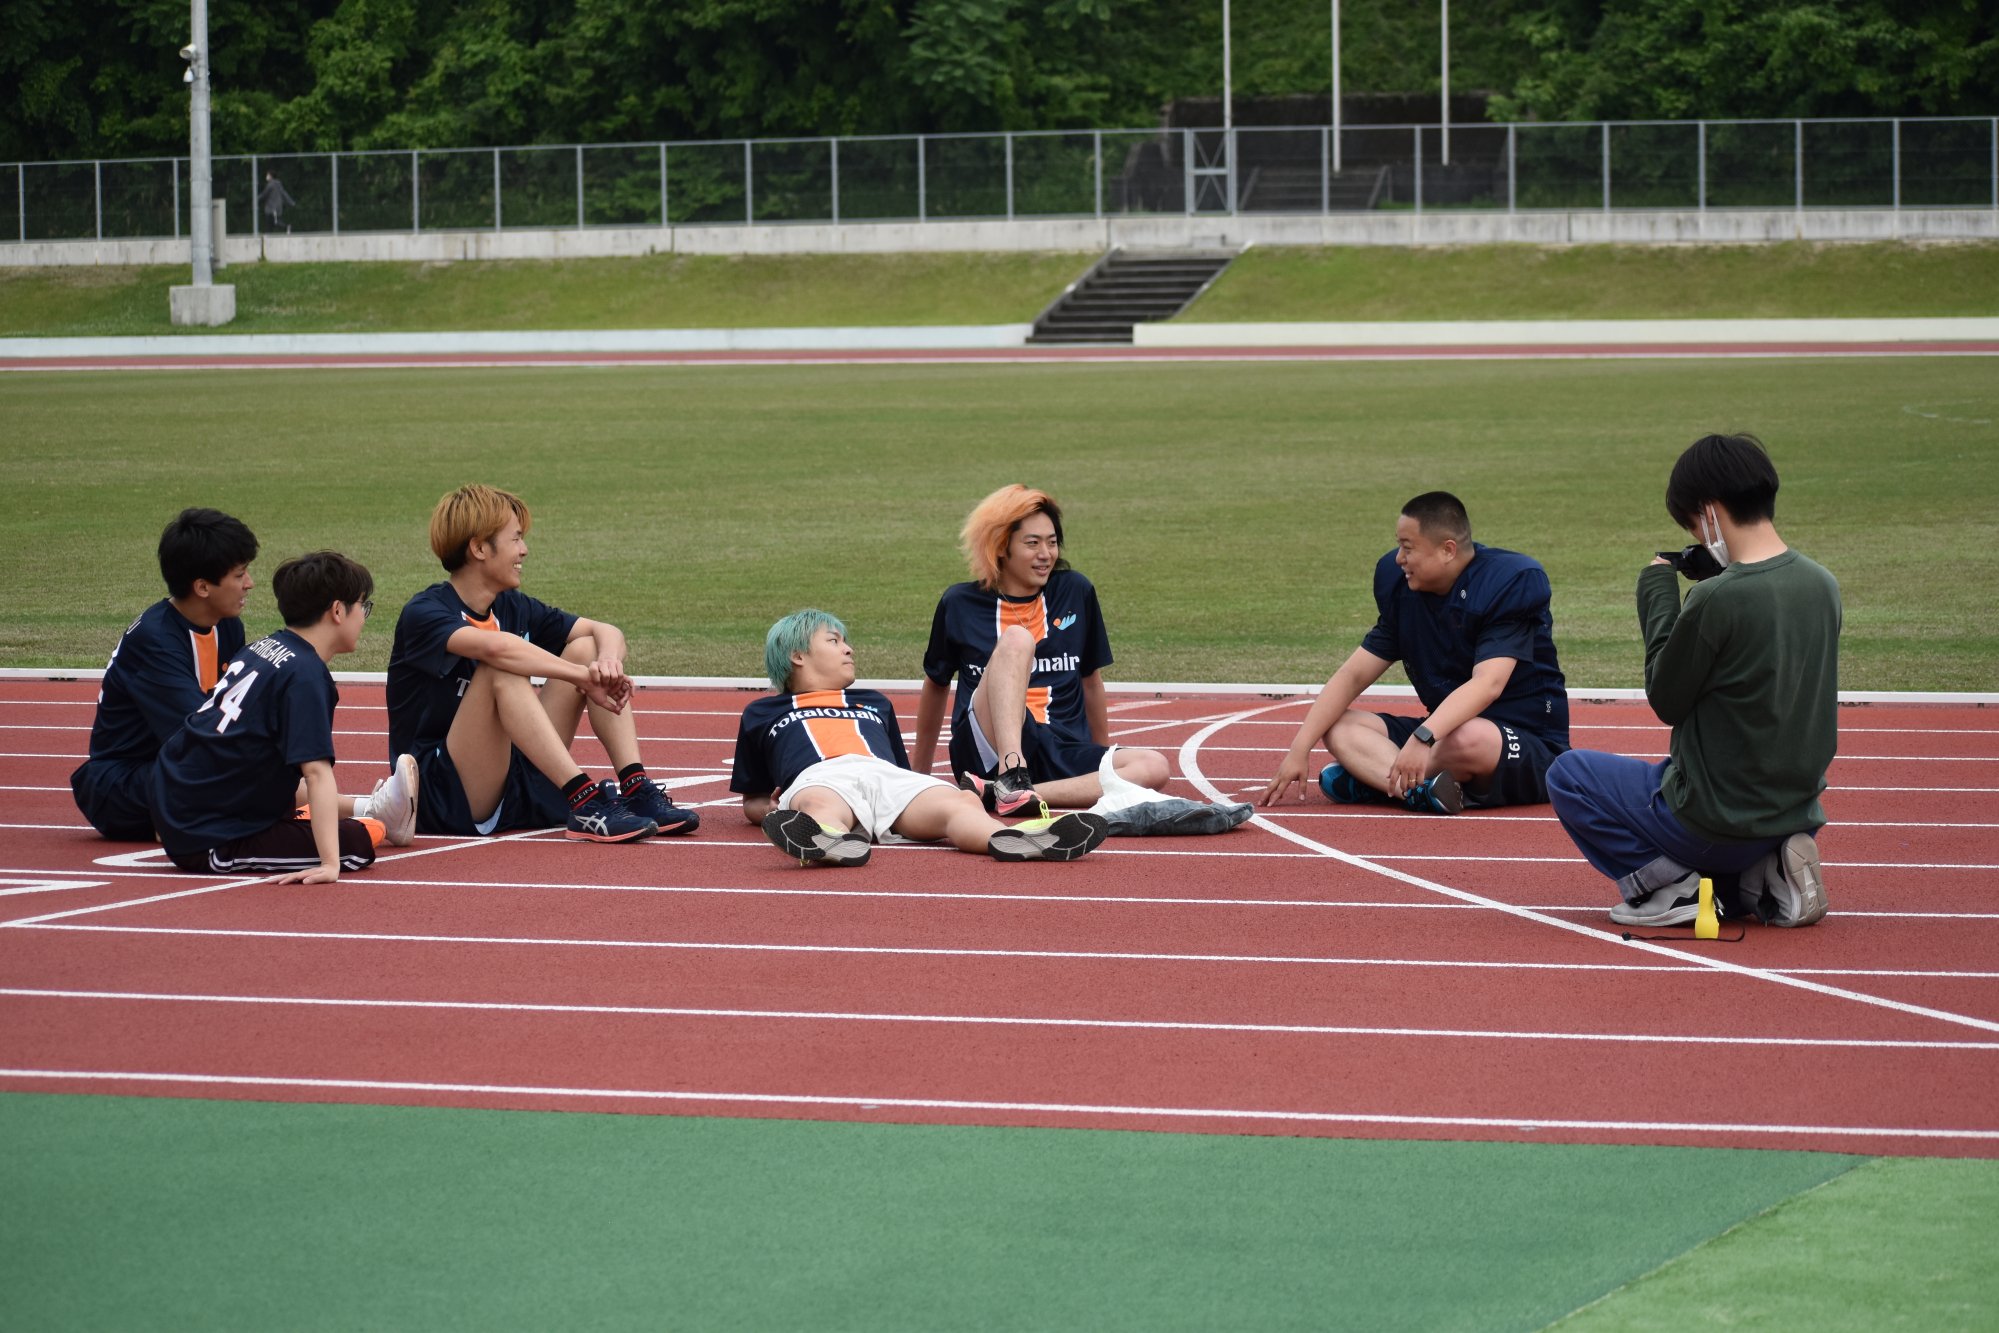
<point>1683,59</point>
<point>102,77</point>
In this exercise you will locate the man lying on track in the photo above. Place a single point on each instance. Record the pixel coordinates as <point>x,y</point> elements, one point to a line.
<point>1471,626</point>
<point>493,755</point>
<point>821,766</point>
<point>1747,675</point>
<point>1027,645</point>
<point>224,787</point>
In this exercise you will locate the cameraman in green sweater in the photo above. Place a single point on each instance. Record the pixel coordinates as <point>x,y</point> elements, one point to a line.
<point>1746,672</point>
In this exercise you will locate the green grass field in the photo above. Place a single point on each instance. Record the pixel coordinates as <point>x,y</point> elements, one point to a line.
<point>1800,280</point>
<point>1229,513</point>
<point>813,291</point>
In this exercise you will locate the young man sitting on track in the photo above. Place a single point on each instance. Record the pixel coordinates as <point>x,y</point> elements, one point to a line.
<point>223,789</point>
<point>1746,673</point>
<point>1471,626</point>
<point>1027,645</point>
<point>493,756</point>
<point>168,660</point>
<point>820,765</point>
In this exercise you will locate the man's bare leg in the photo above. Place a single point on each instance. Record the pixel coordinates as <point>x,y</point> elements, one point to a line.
<point>824,805</point>
<point>1147,768</point>
<point>499,713</point>
<point>950,814</point>
<point>1000,701</point>
<point>565,706</point>
<point>1359,741</point>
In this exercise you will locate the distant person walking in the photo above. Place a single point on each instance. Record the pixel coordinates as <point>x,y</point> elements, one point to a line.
<point>274,199</point>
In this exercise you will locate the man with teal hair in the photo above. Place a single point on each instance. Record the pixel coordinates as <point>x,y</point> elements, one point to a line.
<point>821,767</point>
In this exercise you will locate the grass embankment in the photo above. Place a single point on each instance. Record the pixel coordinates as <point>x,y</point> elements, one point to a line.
<point>818,291</point>
<point>1229,513</point>
<point>653,292</point>
<point>1792,281</point>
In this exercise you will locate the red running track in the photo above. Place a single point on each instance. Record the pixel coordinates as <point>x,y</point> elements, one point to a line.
<point>1324,971</point>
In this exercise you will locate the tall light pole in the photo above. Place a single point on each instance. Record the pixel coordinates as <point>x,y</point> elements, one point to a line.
<point>1444,62</point>
<point>1336,87</point>
<point>203,302</point>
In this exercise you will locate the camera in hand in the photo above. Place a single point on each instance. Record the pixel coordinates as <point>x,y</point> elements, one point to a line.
<point>1695,562</point>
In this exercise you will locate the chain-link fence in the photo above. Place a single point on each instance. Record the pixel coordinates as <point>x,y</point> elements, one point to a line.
<point>1680,165</point>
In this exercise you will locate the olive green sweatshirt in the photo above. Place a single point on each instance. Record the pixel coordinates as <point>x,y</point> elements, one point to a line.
<point>1747,676</point>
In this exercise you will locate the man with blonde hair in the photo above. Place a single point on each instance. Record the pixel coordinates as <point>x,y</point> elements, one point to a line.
<point>1026,642</point>
<point>820,766</point>
<point>491,753</point>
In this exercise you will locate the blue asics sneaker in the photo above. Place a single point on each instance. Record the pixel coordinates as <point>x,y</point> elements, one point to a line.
<point>1441,795</point>
<point>1343,788</point>
<point>602,817</point>
<point>649,800</point>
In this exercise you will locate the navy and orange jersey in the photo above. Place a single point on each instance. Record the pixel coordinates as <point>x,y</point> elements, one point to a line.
<point>1499,607</point>
<point>233,767</point>
<point>1069,643</point>
<point>782,735</point>
<point>427,679</point>
<point>161,669</point>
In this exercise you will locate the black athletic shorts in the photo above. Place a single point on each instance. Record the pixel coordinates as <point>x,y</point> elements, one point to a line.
<point>527,799</point>
<point>1524,757</point>
<point>116,798</point>
<point>1049,754</point>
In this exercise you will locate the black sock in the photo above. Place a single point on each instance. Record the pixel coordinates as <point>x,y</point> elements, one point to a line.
<point>577,790</point>
<point>631,777</point>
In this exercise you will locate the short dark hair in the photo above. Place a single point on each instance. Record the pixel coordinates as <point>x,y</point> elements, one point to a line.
<point>203,544</point>
<point>1441,515</point>
<point>308,586</point>
<point>1733,471</point>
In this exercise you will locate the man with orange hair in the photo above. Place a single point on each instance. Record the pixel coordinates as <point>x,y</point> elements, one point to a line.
<point>1027,645</point>
<point>493,755</point>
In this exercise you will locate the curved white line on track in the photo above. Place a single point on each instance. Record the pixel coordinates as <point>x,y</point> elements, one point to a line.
<point>1528,1123</point>
<point>1190,767</point>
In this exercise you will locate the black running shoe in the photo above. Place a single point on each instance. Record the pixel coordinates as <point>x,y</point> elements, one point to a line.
<point>800,836</point>
<point>1062,838</point>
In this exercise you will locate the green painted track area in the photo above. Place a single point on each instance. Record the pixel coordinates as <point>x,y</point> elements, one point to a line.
<point>161,1213</point>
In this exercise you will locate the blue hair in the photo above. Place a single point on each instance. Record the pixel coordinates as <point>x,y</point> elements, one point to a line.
<point>793,634</point>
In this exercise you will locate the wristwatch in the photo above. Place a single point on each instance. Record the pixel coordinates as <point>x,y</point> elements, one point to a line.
<point>1424,734</point>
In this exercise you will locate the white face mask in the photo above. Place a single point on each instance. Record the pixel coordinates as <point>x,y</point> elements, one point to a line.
<point>1710,533</point>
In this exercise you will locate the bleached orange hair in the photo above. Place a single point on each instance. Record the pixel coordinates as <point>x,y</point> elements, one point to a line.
<point>991,525</point>
<point>471,513</point>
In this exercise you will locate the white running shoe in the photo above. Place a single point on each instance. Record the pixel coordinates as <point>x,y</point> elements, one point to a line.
<point>394,802</point>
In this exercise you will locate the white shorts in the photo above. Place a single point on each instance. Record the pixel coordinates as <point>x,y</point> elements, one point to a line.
<point>873,788</point>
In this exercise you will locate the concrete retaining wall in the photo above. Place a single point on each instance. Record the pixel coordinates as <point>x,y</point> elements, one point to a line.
<point>1715,226</point>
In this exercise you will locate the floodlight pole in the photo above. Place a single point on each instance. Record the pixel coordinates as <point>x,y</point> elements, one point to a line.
<point>201,302</point>
<point>200,179</point>
<point>1444,62</point>
<point>1336,87</point>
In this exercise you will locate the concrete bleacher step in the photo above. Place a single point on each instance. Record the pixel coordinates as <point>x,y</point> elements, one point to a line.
<point>1126,288</point>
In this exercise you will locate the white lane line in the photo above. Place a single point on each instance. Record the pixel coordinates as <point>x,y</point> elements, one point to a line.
<point>1190,766</point>
<point>30,921</point>
<point>1578,861</point>
<point>999,1020</point>
<point>908,951</point>
<point>1470,817</point>
<point>689,1096</point>
<point>1276,754</point>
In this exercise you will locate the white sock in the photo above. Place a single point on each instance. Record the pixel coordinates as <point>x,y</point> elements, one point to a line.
<point>362,805</point>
